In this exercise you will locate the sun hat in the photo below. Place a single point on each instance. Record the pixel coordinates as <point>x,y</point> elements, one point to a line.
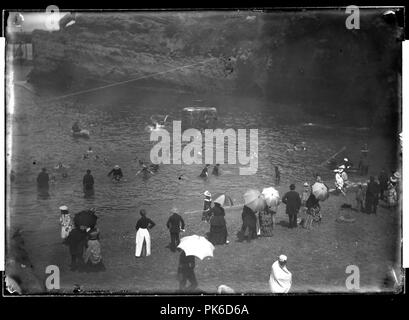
<point>306,184</point>
<point>282,258</point>
<point>63,208</point>
<point>207,194</point>
<point>396,175</point>
<point>116,166</point>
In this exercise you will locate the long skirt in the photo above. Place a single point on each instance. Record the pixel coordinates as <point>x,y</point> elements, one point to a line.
<point>142,237</point>
<point>218,234</point>
<point>266,224</point>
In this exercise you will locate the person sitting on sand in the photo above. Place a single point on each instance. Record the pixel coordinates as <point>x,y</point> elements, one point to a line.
<point>186,272</point>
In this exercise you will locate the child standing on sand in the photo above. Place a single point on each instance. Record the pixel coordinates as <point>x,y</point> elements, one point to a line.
<point>66,222</point>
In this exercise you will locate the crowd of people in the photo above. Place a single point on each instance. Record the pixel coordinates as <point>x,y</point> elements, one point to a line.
<point>85,248</point>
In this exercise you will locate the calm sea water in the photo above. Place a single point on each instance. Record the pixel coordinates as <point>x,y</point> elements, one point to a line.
<point>117,119</point>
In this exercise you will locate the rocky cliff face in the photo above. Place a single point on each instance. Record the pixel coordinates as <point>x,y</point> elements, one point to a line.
<point>308,58</point>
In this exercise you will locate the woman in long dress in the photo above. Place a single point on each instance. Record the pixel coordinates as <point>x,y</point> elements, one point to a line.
<point>266,219</point>
<point>218,228</point>
<point>143,238</point>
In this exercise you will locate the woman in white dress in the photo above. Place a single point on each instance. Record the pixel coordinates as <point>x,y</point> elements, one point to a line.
<point>65,222</point>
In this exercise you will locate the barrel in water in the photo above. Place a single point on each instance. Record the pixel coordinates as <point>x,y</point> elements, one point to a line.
<point>199,118</point>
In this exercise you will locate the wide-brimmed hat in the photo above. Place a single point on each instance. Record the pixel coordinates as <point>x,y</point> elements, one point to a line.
<point>393,179</point>
<point>396,175</point>
<point>282,258</point>
<point>207,194</point>
<point>63,208</point>
<point>174,210</point>
<point>116,166</point>
<point>306,184</point>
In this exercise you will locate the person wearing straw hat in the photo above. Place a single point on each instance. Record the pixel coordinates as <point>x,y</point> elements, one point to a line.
<point>65,222</point>
<point>143,238</point>
<point>207,205</point>
<point>175,224</point>
<point>116,173</point>
<point>280,278</point>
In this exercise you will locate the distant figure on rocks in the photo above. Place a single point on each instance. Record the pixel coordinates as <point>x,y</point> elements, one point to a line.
<point>186,272</point>
<point>360,198</point>
<point>205,173</point>
<point>88,184</point>
<point>116,173</point>
<point>280,278</point>
<point>277,175</point>
<point>216,171</point>
<point>207,205</point>
<point>371,196</point>
<point>293,203</point>
<point>175,224</point>
<point>66,222</point>
<point>143,238</point>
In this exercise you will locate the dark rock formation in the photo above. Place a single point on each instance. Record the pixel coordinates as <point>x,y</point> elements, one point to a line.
<point>309,58</point>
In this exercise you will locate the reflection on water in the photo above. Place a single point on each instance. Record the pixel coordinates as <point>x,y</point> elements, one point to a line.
<point>117,121</point>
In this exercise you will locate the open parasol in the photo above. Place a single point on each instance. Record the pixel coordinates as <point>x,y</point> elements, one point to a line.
<point>271,196</point>
<point>320,191</point>
<point>254,200</point>
<point>197,246</point>
<point>223,199</point>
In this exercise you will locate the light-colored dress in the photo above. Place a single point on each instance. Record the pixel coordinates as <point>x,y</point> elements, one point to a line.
<point>93,252</point>
<point>66,225</point>
<point>280,279</point>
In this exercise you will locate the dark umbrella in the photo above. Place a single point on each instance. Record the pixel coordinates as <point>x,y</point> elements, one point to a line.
<point>86,219</point>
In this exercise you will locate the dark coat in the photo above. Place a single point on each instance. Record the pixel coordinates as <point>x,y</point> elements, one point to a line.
<point>217,216</point>
<point>249,217</point>
<point>293,201</point>
<point>312,202</point>
<point>175,223</point>
<point>76,241</point>
<point>372,191</point>
<point>88,181</point>
<point>186,262</point>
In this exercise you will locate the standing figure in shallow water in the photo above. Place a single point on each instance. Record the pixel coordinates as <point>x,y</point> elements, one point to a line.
<point>88,184</point>
<point>116,173</point>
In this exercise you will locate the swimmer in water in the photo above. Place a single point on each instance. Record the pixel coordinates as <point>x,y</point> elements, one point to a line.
<point>205,173</point>
<point>75,127</point>
<point>144,170</point>
<point>116,173</point>
<point>215,170</point>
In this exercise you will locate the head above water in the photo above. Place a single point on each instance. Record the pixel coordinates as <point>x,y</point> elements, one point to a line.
<point>292,186</point>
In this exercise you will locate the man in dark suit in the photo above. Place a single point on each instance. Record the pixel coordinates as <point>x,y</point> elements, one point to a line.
<point>175,224</point>
<point>293,203</point>
<point>372,196</point>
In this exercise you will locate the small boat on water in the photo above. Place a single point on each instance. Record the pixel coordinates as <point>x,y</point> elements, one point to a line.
<point>81,134</point>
